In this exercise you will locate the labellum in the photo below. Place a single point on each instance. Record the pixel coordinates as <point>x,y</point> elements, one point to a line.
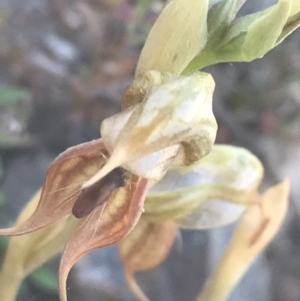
<point>97,194</point>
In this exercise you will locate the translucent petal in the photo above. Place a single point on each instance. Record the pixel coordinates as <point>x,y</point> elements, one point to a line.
<point>210,214</point>
<point>145,247</point>
<point>210,193</point>
<point>62,184</point>
<point>177,205</point>
<point>104,226</point>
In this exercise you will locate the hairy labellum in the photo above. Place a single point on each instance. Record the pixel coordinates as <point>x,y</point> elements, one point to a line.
<point>97,194</point>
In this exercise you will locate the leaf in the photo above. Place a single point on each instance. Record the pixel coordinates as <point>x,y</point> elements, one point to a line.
<point>1,169</point>
<point>144,4</point>
<point>26,253</point>
<point>292,23</point>
<point>249,37</point>
<point>62,185</point>
<point>45,279</point>
<point>2,198</point>
<point>256,228</point>
<point>9,95</point>
<point>178,111</point>
<point>106,225</point>
<point>196,196</point>
<point>177,36</point>
<point>3,244</point>
<point>219,18</point>
<point>144,248</point>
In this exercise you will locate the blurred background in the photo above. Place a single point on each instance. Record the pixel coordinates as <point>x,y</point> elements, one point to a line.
<point>63,67</point>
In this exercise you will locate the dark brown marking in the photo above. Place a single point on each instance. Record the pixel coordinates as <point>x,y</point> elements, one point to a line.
<point>97,194</point>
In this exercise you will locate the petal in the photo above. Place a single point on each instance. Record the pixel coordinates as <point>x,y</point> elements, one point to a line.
<point>177,36</point>
<point>257,227</point>
<point>225,165</point>
<point>210,193</point>
<point>178,111</point>
<point>40,245</point>
<point>146,246</point>
<point>177,205</point>
<point>104,226</point>
<point>210,214</point>
<point>62,185</point>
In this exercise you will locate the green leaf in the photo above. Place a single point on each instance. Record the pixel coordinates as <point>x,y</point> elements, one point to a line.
<point>292,24</point>
<point>3,244</point>
<point>9,95</point>
<point>1,168</point>
<point>219,18</point>
<point>144,4</point>
<point>2,198</point>
<point>44,278</point>
<point>250,37</point>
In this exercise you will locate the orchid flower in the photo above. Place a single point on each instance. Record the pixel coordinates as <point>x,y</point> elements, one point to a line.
<point>103,183</point>
<point>156,167</point>
<point>212,192</point>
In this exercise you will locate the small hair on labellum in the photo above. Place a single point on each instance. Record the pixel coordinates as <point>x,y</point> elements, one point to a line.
<point>97,194</point>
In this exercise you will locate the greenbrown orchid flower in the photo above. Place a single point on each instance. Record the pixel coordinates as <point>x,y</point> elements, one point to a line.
<point>212,192</point>
<point>161,137</point>
<point>108,202</point>
<point>104,182</point>
<point>86,180</point>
